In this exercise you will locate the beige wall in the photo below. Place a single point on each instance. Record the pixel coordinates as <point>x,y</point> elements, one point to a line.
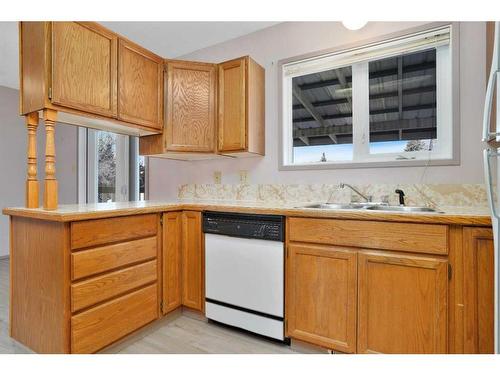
<point>290,39</point>
<point>13,160</point>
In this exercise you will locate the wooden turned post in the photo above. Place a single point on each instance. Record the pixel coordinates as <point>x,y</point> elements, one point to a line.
<point>32,181</point>
<point>50,193</point>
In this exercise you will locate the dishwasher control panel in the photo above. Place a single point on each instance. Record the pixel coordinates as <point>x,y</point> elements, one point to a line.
<point>264,227</point>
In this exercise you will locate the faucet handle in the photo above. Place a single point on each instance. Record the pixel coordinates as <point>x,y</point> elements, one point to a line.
<point>401,194</point>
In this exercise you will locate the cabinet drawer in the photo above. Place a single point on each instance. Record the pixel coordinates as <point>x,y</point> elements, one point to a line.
<point>105,258</point>
<point>101,288</point>
<point>96,328</point>
<point>101,231</point>
<point>418,238</point>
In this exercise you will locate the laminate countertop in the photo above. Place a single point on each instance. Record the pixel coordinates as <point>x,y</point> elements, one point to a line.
<point>64,213</point>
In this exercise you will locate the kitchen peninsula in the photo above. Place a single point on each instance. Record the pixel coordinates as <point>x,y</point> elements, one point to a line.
<point>85,276</point>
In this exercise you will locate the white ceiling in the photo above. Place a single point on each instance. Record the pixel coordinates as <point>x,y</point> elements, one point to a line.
<point>167,39</point>
<point>174,39</point>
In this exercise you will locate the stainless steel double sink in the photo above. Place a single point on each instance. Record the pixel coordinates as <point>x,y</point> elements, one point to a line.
<point>368,207</point>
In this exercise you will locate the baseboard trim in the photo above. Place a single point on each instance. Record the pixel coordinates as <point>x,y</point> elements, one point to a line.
<point>303,347</point>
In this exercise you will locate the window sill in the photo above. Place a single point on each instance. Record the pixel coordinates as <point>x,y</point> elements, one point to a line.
<point>368,164</point>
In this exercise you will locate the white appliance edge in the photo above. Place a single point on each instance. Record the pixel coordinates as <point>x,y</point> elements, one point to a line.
<point>489,154</point>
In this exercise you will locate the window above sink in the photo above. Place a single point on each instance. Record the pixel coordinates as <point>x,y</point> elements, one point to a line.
<point>390,102</point>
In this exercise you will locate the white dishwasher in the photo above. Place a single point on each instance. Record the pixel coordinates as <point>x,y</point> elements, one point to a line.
<point>244,271</point>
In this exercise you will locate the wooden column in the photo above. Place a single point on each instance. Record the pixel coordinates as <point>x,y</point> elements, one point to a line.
<point>50,193</point>
<point>32,181</point>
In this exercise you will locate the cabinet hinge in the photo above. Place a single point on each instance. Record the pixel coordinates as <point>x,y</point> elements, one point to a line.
<point>161,306</point>
<point>449,271</point>
<point>50,93</point>
<point>161,219</point>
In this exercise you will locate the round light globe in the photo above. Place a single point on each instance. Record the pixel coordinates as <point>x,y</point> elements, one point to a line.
<point>354,24</point>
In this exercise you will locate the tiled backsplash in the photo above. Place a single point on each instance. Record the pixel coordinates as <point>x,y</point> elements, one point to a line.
<point>431,195</point>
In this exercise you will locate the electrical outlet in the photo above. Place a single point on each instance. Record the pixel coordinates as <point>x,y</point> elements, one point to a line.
<point>217,177</point>
<point>243,177</point>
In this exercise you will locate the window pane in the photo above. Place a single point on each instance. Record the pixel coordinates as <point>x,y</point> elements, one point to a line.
<point>322,116</point>
<point>403,103</point>
<point>106,154</point>
<point>142,178</point>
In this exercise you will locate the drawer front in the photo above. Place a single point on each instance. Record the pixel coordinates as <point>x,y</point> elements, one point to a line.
<point>105,258</point>
<point>101,288</point>
<point>96,328</point>
<point>102,231</point>
<point>418,238</point>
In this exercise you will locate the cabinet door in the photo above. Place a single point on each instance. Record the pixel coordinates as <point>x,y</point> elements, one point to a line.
<point>232,105</point>
<point>321,296</point>
<point>190,106</point>
<point>193,283</point>
<point>402,303</point>
<point>172,241</point>
<point>478,290</point>
<point>84,67</point>
<point>140,86</point>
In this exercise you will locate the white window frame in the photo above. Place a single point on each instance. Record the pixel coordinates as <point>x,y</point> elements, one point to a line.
<point>127,169</point>
<point>444,37</point>
<point>122,168</point>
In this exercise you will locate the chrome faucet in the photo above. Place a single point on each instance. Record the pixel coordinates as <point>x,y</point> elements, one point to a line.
<point>368,198</point>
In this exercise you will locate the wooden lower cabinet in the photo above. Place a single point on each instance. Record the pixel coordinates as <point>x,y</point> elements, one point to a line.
<point>109,322</point>
<point>478,290</point>
<point>193,275</point>
<point>321,295</point>
<point>101,288</point>
<point>183,261</point>
<point>402,303</point>
<point>78,287</point>
<point>172,253</point>
<point>114,287</point>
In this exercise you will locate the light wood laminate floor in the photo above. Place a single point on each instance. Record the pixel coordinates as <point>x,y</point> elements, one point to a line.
<point>179,334</point>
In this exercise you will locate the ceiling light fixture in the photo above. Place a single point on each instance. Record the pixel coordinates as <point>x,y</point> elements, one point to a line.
<point>354,24</point>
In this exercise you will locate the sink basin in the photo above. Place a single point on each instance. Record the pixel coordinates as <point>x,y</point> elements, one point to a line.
<point>401,209</point>
<point>368,206</point>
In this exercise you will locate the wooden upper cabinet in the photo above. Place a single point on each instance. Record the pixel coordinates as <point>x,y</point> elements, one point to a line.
<point>241,107</point>
<point>478,290</point>
<point>193,276</point>
<point>84,67</point>
<point>172,253</point>
<point>140,85</point>
<point>232,105</point>
<point>321,296</point>
<point>91,77</point>
<point>212,110</point>
<point>402,303</point>
<point>191,104</point>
